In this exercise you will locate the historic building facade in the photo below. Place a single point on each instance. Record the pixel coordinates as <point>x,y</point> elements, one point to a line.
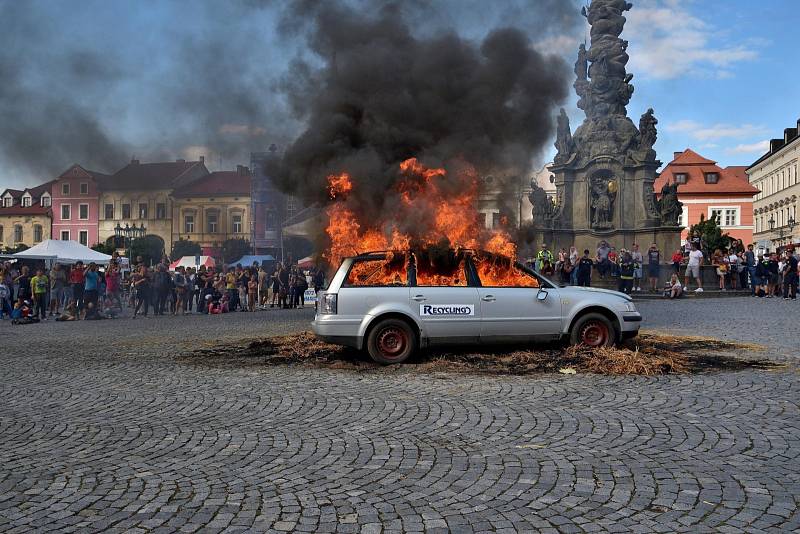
<point>75,212</point>
<point>212,209</point>
<point>140,194</point>
<point>706,189</point>
<point>775,208</point>
<point>25,216</point>
<point>270,208</point>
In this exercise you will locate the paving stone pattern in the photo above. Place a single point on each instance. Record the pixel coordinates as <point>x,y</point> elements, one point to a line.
<point>101,429</point>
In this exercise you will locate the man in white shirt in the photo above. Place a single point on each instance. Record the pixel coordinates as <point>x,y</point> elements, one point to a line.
<point>693,269</point>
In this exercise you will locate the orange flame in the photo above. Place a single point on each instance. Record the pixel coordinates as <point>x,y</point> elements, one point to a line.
<point>421,191</point>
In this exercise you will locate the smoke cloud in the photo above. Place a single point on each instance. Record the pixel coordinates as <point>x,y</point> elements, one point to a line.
<point>383,94</point>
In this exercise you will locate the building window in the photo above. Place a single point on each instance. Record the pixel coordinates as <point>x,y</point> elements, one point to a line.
<point>66,212</point>
<point>64,235</point>
<point>496,219</point>
<point>109,211</point>
<point>212,220</point>
<point>161,211</point>
<point>84,188</point>
<point>291,207</point>
<point>680,178</point>
<point>237,224</point>
<point>37,233</point>
<point>83,212</point>
<point>270,222</point>
<point>26,201</point>
<point>188,224</point>
<point>1,233</point>
<point>712,177</point>
<point>8,202</point>
<point>65,189</point>
<point>45,201</point>
<point>17,233</point>
<point>83,237</point>
<point>726,216</point>
<point>482,219</point>
<point>143,210</point>
<point>126,211</point>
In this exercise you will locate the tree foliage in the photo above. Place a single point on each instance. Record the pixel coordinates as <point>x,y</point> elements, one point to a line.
<point>104,248</point>
<point>184,247</point>
<point>711,234</point>
<point>150,248</point>
<point>234,248</point>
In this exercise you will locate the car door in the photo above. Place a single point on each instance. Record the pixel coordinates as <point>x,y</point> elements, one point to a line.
<point>448,313</point>
<point>516,306</point>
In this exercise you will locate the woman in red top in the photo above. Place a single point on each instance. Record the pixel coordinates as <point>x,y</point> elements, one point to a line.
<point>677,258</point>
<point>77,280</point>
<point>113,286</point>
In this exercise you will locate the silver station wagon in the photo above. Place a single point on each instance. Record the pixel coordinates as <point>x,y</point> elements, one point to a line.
<point>393,303</point>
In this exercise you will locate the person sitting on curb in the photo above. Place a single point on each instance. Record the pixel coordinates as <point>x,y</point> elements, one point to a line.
<point>673,289</point>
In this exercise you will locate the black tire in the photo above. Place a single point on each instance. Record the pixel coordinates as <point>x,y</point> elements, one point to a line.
<point>593,330</point>
<point>391,341</point>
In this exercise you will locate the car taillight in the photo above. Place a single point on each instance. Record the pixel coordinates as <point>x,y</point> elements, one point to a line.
<point>327,304</point>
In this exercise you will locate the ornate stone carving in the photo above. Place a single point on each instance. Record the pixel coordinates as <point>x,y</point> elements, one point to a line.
<point>603,193</point>
<point>669,207</point>
<point>542,205</point>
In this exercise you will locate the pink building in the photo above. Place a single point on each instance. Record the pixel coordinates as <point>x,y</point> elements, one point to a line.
<point>75,206</point>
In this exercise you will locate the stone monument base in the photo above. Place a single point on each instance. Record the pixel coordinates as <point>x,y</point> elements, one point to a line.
<point>668,239</point>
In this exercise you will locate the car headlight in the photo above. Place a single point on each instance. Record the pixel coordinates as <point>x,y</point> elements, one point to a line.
<point>327,304</point>
<point>629,307</point>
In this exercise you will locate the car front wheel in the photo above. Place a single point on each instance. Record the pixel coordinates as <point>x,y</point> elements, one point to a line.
<point>391,341</point>
<point>593,330</point>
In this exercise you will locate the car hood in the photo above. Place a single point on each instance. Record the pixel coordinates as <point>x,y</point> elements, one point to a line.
<point>580,289</point>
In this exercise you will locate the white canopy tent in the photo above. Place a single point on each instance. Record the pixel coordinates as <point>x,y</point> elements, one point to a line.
<point>65,252</point>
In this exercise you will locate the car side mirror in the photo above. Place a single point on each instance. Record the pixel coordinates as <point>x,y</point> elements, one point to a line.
<point>541,295</point>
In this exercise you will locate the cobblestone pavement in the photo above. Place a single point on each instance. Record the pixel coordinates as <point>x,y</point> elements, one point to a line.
<point>102,429</point>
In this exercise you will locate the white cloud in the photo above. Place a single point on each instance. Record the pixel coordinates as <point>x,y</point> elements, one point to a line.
<point>699,132</point>
<point>668,41</point>
<point>760,147</point>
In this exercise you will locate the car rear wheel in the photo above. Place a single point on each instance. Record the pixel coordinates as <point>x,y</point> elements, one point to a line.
<point>593,330</point>
<point>391,341</point>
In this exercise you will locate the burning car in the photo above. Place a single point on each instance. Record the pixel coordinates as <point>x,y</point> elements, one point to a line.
<point>392,303</point>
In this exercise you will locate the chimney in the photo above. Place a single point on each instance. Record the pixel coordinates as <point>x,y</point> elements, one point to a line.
<point>676,154</point>
<point>202,159</point>
<point>180,161</point>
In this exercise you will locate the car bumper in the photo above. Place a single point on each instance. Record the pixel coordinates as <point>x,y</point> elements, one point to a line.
<point>337,331</point>
<point>631,322</point>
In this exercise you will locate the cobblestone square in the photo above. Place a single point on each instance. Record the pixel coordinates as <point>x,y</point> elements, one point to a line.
<point>102,429</point>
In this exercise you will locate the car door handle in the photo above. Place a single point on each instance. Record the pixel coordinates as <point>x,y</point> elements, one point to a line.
<point>419,298</point>
<point>488,298</point>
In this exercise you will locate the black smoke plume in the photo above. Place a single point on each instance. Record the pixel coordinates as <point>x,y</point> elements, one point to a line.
<point>384,94</point>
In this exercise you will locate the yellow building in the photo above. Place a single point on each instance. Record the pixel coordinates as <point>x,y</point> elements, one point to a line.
<point>212,209</point>
<point>25,216</point>
<point>139,194</point>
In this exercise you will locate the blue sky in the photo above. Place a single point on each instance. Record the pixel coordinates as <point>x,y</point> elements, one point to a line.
<point>168,79</point>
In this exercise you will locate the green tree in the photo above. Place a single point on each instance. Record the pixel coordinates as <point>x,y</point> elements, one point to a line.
<point>711,234</point>
<point>234,248</point>
<point>104,248</point>
<point>149,247</point>
<point>18,248</point>
<point>184,247</point>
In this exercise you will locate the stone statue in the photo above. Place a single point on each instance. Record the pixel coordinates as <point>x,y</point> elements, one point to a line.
<point>582,64</point>
<point>602,199</point>
<point>542,206</point>
<point>669,207</point>
<point>564,143</point>
<point>647,130</point>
